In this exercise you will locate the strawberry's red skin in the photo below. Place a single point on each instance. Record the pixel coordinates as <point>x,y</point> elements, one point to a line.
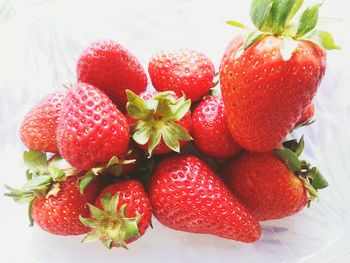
<point>265,185</point>
<point>188,72</point>
<point>210,131</point>
<point>38,129</point>
<point>307,114</point>
<point>185,122</point>
<point>131,193</point>
<point>91,129</point>
<point>264,96</point>
<point>60,214</point>
<point>187,195</point>
<point>113,69</point>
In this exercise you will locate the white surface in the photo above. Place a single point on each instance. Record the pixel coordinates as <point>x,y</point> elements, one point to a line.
<point>39,44</point>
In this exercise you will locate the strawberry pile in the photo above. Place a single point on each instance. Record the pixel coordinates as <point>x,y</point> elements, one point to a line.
<point>107,153</point>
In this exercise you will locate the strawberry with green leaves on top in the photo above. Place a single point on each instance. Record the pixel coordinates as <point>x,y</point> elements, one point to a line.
<point>274,184</point>
<point>161,122</point>
<point>269,76</point>
<point>184,72</point>
<point>38,129</point>
<point>121,214</point>
<point>55,201</point>
<point>187,195</point>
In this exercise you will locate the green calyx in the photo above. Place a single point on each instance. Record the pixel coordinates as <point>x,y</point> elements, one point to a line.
<point>157,120</point>
<point>111,225</point>
<point>43,177</point>
<point>278,18</point>
<point>311,177</point>
<point>113,167</point>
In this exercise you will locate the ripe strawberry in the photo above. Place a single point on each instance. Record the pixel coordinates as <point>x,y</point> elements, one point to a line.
<point>113,69</point>
<point>187,195</point>
<point>269,77</point>
<point>188,72</point>
<point>38,129</point>
<point>274,184</point>
<point>210,131</point>
<point>91,129</point>
<point>122,214</point>
<point>306,115</point>
<point>161,122</point>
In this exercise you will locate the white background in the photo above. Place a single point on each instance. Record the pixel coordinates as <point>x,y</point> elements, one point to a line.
<point>39,44</point>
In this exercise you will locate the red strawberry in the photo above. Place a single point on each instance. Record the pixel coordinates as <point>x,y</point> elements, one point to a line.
<point>38,129</point>
<point>274,185</point>
<point>269,77</point>
<point>122,214</point>
<point>91,129</point>
<point>161,122</point>
<point>306,115</point>
<point>188,72</point>
<point>113,69</point>
<point>210,131</point>
<point>60,214</point>
<point>187,195</point>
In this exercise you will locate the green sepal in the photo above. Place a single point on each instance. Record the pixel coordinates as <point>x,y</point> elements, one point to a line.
<point>308,20</point>
<point>141,132</point>
<point>36,161</point>
<point>279,14</point>
<point>297,5</point>
<point>252,38</point>
<point>236,24</point>
<point>96,212</point>
<point>56,173</point>
<point>155,138</point>
<point>259,12</point>
<point>324,39</point>
<point>290,158</point>
<point>85,180</point>
<point>88,222</point>
<point>90,237</point>
<point>136,107</point>
<point>288,47</point>
<point>318,181</point>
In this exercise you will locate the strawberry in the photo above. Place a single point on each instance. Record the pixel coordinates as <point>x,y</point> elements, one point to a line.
<point>210,131</point>
<point>53,195</point>
<point>187,195</point>
<point>91,129</point>
<point>121,214</point>
<point>38,129</point>
<point>113,69</point>
<point>270,76</point>
<point>161,122</point>
<point>274,184</point>
<point>306,115</point>
<point>184,72</point>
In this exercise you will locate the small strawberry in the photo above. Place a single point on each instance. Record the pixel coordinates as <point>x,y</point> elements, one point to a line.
<point>121,215</point>
<point>270,76</point>
<point>161,122</point>
<point>53,196</point>
<point>306,115</point>
<point>91,129</point>
<point>184,72</point>
<point>187,195</point>
<point>38,129</point>
<point>274,184</point>
<point>113,69</point>
<point>210,131</point>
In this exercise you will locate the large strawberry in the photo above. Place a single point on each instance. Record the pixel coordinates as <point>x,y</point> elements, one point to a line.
<point>268,77</point>
<point>113,69</point>
<point>121,215</point>
<point>188,72</point>
<point>38,129</point>
<point>54,197</point>
<point>91,129</point>
<point>274,184</point>
<point>210,131</point>
<point>187,195</point>
<point>161,122</point>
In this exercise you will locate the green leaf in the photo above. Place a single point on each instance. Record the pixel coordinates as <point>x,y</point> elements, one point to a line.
<point>136,106</point>
<point>131,229</point>
<point>295,9</point>
<point>56,173</point>
<point>154,140</point>
<point>113,203</point>
<point>290,158</point>
<point>142,132</point>
<point>96,212</point>
<point>259,12</point>
<point>29,175</point>
<point>180,110</point>
<point>170,139</point>
<point>105,201</point>
<point>318,181</point>
<point>288,47</point>
<point>298,151</point>
<point>85,180</point>
<point>252,38</point>
<point>88,222</point>
<point>308,20</point>
<point>113,161</point>
<point>19,196</point>
<point>180,132</point>
<point>324,39</point>
<point>280,12</point>
<point>42,180</point>
<point>236,24</point>
<point>91,237</point>
<point>35,161</point>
